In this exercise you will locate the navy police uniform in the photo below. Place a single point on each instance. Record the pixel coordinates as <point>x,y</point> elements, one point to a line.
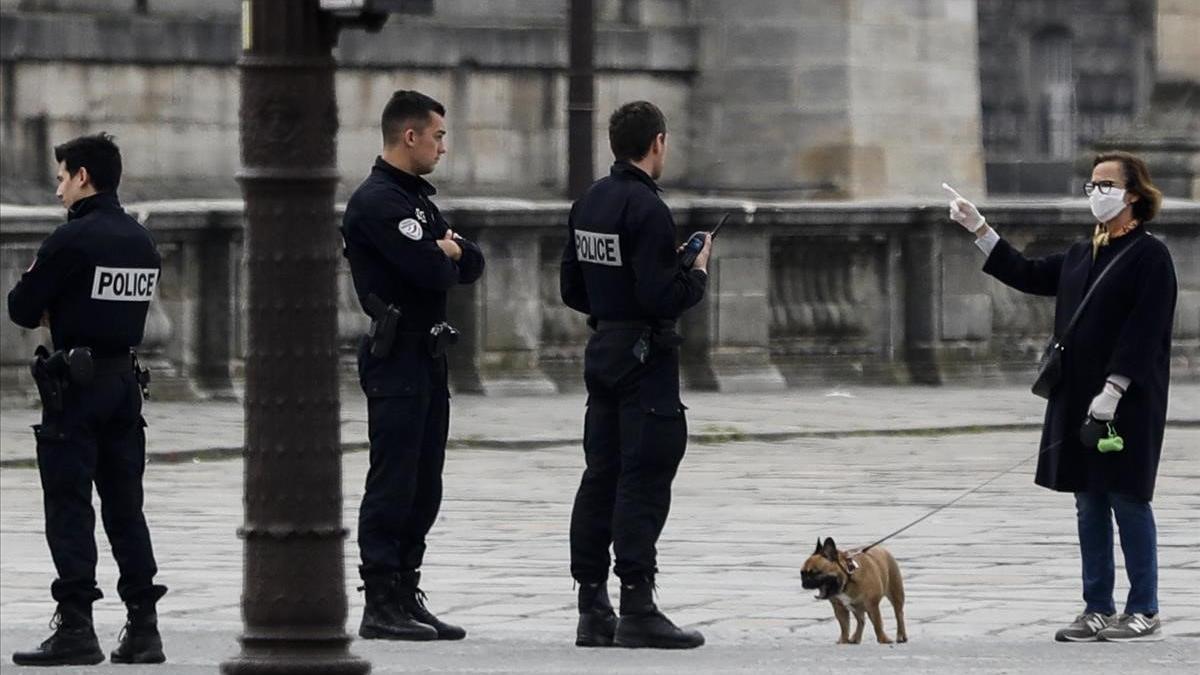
<point>390,231</point>
<point>621,267</point>
<point>94,277</point>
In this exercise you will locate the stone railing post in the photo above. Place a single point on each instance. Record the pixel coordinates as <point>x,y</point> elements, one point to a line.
<point>727,336</point>
<point>506,304</point>
<point>169,343</point>
<point>217,307</point>
<point>922,250</point>
<point>966,306</point>
<point>1181,231</point>
<point>21,232</point>
<point>352,325</point>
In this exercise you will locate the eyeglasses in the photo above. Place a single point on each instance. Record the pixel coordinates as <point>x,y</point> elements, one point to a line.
<point>1104,186</point>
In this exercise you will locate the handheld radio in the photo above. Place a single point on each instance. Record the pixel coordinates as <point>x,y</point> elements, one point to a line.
<point>687,257</point>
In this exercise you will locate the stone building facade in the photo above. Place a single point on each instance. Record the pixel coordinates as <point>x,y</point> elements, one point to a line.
<point>783,98</point>
<point>797,98</point>
<point>1055,78</point>
<point>827,125</point>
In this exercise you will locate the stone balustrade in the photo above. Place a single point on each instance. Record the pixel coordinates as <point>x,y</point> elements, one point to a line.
<point>800,293</point>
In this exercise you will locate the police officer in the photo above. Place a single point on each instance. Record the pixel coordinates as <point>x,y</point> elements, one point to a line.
<point>621,267</point>
<point>91,283</point>
<point>404,258</point>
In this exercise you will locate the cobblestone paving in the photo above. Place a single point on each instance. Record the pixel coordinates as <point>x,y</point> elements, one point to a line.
<point>988,580</point>
<point>209,428</point>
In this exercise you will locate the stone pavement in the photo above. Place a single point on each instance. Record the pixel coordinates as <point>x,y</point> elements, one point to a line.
<point>988,580</point>
<point>181,431</point>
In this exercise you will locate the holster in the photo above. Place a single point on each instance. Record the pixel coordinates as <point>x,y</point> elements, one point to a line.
<point>384,326</point>
<point>57,372</point>
<point>50,388</point>
<point>142,375</point>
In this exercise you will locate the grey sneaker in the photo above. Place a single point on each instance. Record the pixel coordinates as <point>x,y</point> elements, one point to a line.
<point>1085,628</point>
<point>1130,627</point>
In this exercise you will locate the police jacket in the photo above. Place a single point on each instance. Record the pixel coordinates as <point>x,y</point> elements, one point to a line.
<point>620,262</point>
<point>94,276</point>
<point>390,233</point>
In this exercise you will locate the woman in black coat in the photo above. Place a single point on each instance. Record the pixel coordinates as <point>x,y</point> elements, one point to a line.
<point>1116,368</point>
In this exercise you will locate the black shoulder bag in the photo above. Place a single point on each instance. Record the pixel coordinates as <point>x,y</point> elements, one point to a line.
<point>1050,368</point>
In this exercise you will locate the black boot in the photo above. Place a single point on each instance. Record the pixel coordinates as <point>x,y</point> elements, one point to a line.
<point>140,641</point>
<point>597,620</point>
<point>385,619</point>
<point>73,643</point>
<point>412,599</point>
<point>642,625</point>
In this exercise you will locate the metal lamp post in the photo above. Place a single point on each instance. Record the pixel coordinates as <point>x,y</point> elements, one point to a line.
<point>294,599</point>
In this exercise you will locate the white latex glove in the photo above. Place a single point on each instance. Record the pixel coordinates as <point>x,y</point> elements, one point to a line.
<point>1104,406</point>
<point>964,212</point>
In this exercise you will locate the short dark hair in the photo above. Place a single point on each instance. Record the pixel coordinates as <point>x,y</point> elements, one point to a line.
<point>98,154</point>
<point>1137,180</point>
<point>633,128</point>
<point>407,105</point>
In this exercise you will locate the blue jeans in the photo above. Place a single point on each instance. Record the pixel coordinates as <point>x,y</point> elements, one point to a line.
<point>1135,521</point>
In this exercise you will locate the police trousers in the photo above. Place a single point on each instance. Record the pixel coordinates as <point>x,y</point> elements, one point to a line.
<point>408,420</point>
<point>99,437</point>
<point>634,437</point>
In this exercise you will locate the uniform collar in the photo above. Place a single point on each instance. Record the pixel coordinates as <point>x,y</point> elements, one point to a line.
<point>100,200</point>
<point>622,168</point>
<point>404,179</point>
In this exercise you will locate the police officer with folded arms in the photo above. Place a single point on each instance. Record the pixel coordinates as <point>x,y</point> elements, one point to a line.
<point>622,268</point>
<point>404,258</point>
<point>91,283</point>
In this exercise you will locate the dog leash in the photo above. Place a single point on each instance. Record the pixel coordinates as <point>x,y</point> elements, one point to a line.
<point>948,504</point>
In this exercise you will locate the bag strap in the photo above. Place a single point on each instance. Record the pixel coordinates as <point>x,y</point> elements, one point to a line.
<point>1087,296</point>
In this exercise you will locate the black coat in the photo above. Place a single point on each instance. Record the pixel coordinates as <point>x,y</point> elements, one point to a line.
<point>390,234</point>
<point>619,261</point>
<point>95,276</point>
<point>1124,329</point>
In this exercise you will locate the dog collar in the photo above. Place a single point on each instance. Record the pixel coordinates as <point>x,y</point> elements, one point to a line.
<point>850,571</point>
<point>848,567</point>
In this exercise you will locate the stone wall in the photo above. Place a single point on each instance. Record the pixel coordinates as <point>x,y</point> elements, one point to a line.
<point>797,98</point>
<point>800,293</point>
<point>167,86</point>
<point>626,11</point>
<point>1167,134</point>
<point>848,99</point>
<point>1055,76</point>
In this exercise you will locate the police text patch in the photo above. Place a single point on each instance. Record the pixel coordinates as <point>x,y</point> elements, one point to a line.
<point>595,247</point>
<point>125,284</point>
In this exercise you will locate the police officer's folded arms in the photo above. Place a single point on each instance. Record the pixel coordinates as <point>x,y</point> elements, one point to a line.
<point>404,258</point>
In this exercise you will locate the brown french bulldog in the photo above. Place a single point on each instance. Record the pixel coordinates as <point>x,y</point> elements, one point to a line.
<point>856,583</point>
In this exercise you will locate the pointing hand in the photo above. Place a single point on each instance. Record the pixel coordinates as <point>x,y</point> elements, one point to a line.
<point>964,212</point>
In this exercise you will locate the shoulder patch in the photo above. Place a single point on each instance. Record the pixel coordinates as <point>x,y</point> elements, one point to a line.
<point>411,229</point>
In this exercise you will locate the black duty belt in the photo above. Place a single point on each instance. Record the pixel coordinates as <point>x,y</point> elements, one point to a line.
<point>658,333</point>
<point>655,325</point>
<point>435,341</point>
<point>56,373</point>
<point>408,340</point>
<point>112,365</point>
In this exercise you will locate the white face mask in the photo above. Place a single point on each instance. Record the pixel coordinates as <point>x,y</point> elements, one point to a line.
<point>1106,207</point>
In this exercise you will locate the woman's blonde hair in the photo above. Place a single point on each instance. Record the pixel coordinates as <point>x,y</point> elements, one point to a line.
<point>1137,181</point>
